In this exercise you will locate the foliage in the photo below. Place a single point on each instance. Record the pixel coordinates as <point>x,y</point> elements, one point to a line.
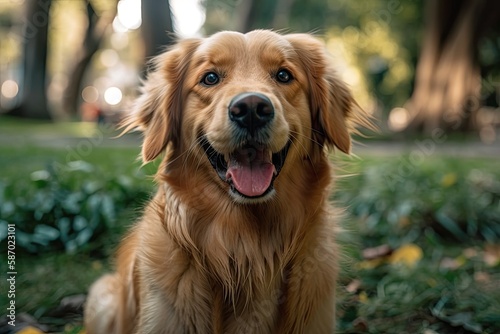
<point>428,253</point>
<point>64,206</point>
<point>375,44</point>
<point>401,202</point>
<point>425,298</point>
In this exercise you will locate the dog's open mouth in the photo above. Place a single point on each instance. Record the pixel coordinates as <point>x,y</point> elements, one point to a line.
<point>250,170</point>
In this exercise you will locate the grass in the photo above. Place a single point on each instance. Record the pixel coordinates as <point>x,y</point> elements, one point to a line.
<point>11,126</point>
<point>22,161</point>
<point>439,270</point>
<point>427,281</point>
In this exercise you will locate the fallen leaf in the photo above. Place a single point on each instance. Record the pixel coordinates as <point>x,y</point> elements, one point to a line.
<point>376,252</point>
<point>26,324</point>
<point>470,252</point>
<point>432,282</point>
<point>409,255</point>
<point>360,325</point>
<point>363,297</point>
<point>370,264</point>
<point>452,263</point>
<point>353,286</point>
<point>482,277</point>
<point>71,328</point>
<point>492,255</point>
<point>96,265</point>
<point>430,331</point>
<point>30,330</point>
<point>448,180</point>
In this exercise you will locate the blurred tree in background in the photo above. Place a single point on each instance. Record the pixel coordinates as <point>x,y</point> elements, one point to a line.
<point>157,27</point>
<point>94,34</point>
<point>375,44</point>
<point>62,56</point>
<point>453,45</point>
<point>419,65</point>
<point>447,92</point>
<point>33,99</point>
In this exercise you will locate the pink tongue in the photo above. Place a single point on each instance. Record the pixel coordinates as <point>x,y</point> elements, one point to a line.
<point>251,171</point>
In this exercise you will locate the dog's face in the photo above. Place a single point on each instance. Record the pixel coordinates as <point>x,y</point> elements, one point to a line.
<point>246,106</point>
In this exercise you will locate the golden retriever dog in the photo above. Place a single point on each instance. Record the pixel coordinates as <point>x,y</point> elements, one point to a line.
<point>240,237</point>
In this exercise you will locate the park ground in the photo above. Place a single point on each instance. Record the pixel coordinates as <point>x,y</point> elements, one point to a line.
<point>421,235</point>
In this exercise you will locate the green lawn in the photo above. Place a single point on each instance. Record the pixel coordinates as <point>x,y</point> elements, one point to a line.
<point>438,221</point>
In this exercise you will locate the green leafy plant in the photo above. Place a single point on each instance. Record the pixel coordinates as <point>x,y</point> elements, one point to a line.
<point>434,200</point>
<point>65,206</point>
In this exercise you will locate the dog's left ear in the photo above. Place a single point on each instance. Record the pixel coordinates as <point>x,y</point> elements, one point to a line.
<point>158,110</point>
<point>335,113</point>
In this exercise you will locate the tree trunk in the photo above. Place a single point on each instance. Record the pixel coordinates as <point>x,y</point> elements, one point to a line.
<point>157,28</point>
<point>448,79</point>
<point>244,15</point>
<point>93,37</point>
<point>33,85</point>
<point>257,14</point>
<point>282,14</point>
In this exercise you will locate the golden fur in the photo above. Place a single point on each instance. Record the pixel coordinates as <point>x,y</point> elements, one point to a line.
<point>202,259</point>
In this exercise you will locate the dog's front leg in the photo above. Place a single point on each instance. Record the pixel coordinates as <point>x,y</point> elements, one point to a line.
<point>309,302</point>
<point>179,304</point>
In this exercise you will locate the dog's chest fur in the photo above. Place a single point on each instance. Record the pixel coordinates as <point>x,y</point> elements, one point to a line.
<point>225,271</point>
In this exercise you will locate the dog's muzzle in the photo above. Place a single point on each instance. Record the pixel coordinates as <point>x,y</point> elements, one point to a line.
<point>252,168</point>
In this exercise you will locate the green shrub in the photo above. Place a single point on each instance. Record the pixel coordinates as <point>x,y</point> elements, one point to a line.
<point>65,206</point>
<point>397,205</point>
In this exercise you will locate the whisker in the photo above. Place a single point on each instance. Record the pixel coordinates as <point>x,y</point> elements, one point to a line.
<point>295,143</point>
<point>308,138</point>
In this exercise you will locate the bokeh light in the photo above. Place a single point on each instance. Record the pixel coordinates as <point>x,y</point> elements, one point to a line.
<point>90,94</point>
<point>119,40</point>
<point>109,58</point>
<point>398,119</point>
<point>129,14</point>
<point>10,89</point>
<point>113,96</point>
<point>189,16</point>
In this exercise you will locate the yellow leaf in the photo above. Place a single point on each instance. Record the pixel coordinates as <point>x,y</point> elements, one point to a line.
<point>408,255</point>
<point>461,260</point>
<point>371,264</point>
<point>70,328</point>
<point>432,282</point>
<point>363,297</point>
<point>97,265</point>
<point>30,330</point>
<point>448,180</point>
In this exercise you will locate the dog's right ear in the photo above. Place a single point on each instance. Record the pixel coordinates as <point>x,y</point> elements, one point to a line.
<point>158,110</point>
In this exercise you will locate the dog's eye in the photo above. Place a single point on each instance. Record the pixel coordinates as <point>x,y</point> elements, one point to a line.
<point>210,79</point>
<point>284,76</point>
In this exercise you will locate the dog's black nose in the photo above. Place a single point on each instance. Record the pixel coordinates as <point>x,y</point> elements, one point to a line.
<point>251,111</point>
